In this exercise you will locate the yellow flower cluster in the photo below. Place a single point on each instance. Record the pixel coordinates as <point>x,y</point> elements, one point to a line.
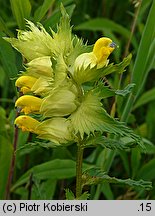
<point>52,83</point>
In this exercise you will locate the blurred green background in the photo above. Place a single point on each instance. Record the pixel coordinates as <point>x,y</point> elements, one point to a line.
<point>130,24</point>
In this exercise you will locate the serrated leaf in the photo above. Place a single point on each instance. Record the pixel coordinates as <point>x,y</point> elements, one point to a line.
<point>91,116</point>
<point>88,74</point>
<point>32,146</point>
<point>101,91</point>
<point>106,142</point>
<point>96,176</point>
<point>127,90</point>
<point>84,196</point>
<point>69,195</point>
<point>118,68</point>
<point>62,40</point>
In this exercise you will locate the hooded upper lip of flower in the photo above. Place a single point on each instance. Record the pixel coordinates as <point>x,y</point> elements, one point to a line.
<point>25,83</point>
<point>29,104</point>
<point>27,123</point>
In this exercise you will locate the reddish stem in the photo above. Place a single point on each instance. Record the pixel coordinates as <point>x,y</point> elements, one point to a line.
<point>12,165</point>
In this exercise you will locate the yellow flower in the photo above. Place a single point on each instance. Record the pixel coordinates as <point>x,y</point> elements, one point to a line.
<point>98,57</point>
<point>25,83</point>
<point>27,123</point>
<point>57,130</point>
<point>29,104</point>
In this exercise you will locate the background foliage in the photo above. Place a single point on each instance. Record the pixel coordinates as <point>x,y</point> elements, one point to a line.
<point>43,173</point>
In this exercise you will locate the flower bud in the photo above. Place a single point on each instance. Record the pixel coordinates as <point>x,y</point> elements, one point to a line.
<point>41,66</point>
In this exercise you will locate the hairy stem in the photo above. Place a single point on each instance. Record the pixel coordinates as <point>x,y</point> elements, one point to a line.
<point>79,170</point>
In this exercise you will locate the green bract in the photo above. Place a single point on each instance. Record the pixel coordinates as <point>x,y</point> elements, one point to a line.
<point>65,74</point>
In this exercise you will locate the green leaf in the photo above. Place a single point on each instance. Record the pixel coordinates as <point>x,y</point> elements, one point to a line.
<point>82,75</point>
<point>69,195</point>
<point>8,58</point>
<point>149,146</point>
<point>2,80</point>
<point>147,171</point>
<point>55,169</point>
<point>5,159</point>
<point>4,28</point>
<point>145,98</point>
<point>135,161</point>
<point>139,70</point>
<point>52,20</point>
<point>91,116</point>
<point>103,91</point>
<point>107,191</point>
<point>21,10</point>
<point>109,143</point>
<point>3,120</point>
<point>101,24</point>
<point>118,68</point>
<point>43,9</point>
<point>127,90</point>
<point>84,196</point>
<point>96,176</point>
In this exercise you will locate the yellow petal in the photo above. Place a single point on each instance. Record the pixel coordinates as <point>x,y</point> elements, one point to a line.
<point>29,104</point>
<point>27,123</point>
<point>25,83</point>
<point>102,49</point>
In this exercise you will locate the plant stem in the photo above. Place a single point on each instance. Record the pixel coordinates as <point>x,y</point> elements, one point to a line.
<point>12,166</point>
<point>133,28</point>
<point>79,170</point>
